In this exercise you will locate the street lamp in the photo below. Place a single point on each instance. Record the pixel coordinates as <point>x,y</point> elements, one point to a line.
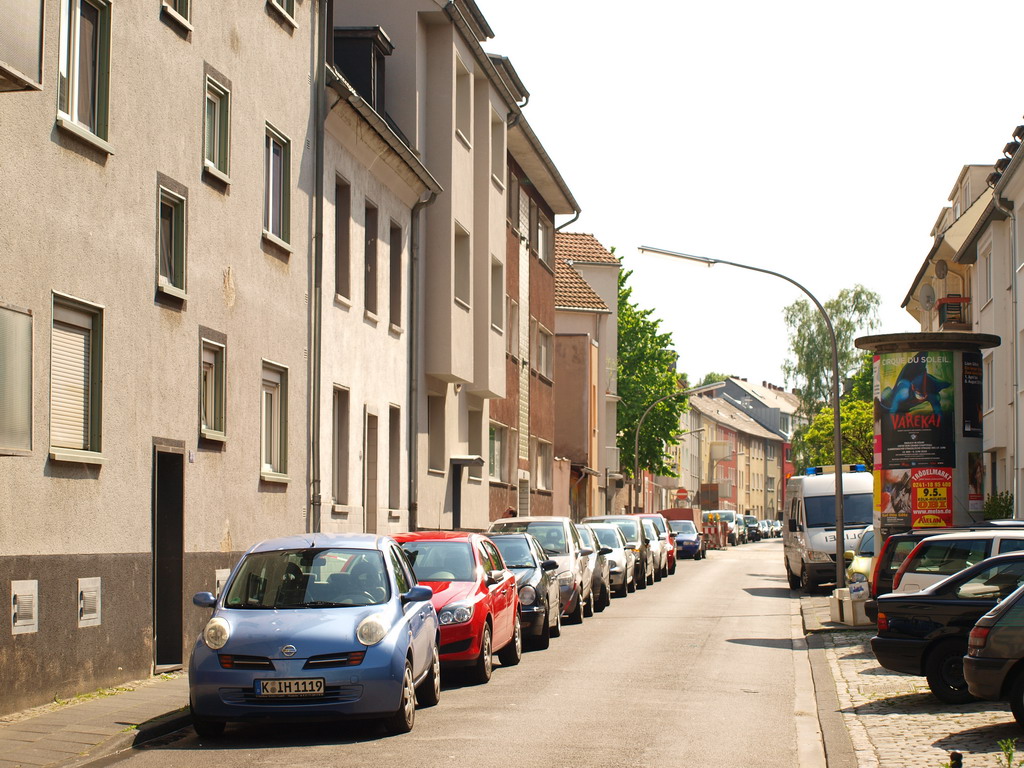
<point>636,441</point>
<point>838,440</point>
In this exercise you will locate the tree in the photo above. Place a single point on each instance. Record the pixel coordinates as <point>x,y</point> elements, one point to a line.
<point>647,372</point>
<point>853,311</point>
<point>712,378</point>
<point>857,425</point>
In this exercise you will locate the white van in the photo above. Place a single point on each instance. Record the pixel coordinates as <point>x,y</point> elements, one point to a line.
<point>809,521</point>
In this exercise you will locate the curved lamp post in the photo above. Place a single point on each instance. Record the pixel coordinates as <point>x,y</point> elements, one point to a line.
<point>636,441</point>
<point>838,443</point>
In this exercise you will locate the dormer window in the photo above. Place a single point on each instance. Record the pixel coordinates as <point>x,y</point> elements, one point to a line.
<point>359,54</point>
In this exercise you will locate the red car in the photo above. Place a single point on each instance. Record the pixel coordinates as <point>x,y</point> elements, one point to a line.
<point>475,597</point>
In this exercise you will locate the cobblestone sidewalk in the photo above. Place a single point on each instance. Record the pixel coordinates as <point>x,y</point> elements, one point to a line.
<point>895,722</point>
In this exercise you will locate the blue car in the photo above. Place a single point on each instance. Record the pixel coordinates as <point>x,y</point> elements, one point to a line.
<point>689,542</point>
<point>317,627</point>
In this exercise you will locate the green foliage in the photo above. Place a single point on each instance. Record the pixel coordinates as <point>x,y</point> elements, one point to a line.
<point>856,423</point>
<point>853,311</point>
<point>1009,748</point>
<point>861,386</point>
<point>712,378</point>
<point>999,506</point>
<point>646,372</point>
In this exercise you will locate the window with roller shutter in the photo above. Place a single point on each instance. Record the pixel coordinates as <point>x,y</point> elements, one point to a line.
<point>75,393</point>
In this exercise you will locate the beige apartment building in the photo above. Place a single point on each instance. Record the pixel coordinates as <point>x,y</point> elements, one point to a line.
<point>153,321</point>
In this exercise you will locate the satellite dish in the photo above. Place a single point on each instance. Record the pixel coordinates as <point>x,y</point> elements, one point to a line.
<point>926,297</point>
<point>941,269</point>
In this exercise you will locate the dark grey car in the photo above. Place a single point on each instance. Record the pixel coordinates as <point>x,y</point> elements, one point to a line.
<point>602,580</point>
<point>995,651</point>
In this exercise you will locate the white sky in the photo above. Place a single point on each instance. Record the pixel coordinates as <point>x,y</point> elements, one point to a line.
<point>817,139</point>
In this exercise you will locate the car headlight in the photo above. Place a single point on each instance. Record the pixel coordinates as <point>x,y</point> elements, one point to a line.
<point>527,595</point>
<point>815,556</point>
<point>855,577</point>
<point>216,633</point>
<point>373,629</point>
<point>456,613</point>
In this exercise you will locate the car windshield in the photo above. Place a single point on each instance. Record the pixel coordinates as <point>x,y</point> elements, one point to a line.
<point>310,578</point>
<point>996,582</point>
<point>821,510</point>
<point>440,560</point>
<point>585,536</point>
<point>649,529</point>
<point>608,537</point>
<point>683,526</point>
<point>629,529</point>
<point>727,516</point>
<point>515,550</point>
<point>751,520</point>
<point>659,524</point>
<point>944,558</point>
<point>866,548</point>
<point>550,535</point>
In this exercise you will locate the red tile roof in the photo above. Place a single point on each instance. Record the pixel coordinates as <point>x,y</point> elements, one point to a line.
<point>572,291</point>
<point>582,248</point>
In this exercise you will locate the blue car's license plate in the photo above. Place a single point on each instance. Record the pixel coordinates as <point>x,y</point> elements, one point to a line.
<point>294,686</point>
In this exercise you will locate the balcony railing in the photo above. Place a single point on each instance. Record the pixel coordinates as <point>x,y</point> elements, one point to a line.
<point>954,313</point>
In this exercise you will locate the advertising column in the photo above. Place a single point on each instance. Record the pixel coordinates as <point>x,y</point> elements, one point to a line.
<point>928,436</point>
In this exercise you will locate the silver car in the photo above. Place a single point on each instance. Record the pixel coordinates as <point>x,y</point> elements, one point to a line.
<point>562,543</point>
<point>636,540</point>
<point>601,572</point>
<point>621,557</point>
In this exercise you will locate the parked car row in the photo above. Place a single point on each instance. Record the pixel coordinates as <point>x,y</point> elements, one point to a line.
<point>937,597</point>
<point>335,626</point>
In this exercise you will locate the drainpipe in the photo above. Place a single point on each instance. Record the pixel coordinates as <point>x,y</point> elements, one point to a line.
<point>316,303</point>
<point>1016,356</point>
<point>414,356</point>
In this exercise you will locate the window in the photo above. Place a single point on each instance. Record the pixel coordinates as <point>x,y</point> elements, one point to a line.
<point>276,170</point>
<point>339,442</point>
<point>497,295</point>
<point>512,337</point>
<point>541,464</point>
<point>21,44</point>
<point>475,442</point>
<point>545,348</point>
<point>212,391</point>
<point>83,69</point>
<point>274,422</point>
<point>370,258</point>
<point>342,252</point>
<point>987,385</point>
<point>512,203</point>
<point>497,460</point>
<point>15,379</point>
<point>395,275</point>
<point>546,242</point>
<point>75,376</point>
<point>171,246</point>
<point>218,129</point>
<point>497,150</point>
<point>179,11</point>
<point>435,432</point>
<point>985,267</point>
<point>394,457</point>
<point>463,103</point>
<point>286,8</point>
<point>462,266</point>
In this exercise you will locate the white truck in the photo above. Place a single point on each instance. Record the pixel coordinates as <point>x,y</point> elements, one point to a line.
<point>809,521</point>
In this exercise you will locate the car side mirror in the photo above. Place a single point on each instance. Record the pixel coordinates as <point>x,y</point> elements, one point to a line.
<point>495,577</point>
<point>586,551</point>
<point>204,599</point>
<point>848,555</point>
<point>604,551</point>
<point>793,525</point>
<point>548,565</point>
<point>418,594</point>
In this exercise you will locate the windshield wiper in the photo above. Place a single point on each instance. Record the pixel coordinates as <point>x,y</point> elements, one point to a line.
<point>321,604</point>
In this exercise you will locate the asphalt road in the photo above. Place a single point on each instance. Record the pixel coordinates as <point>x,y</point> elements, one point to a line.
<point>698,669</point>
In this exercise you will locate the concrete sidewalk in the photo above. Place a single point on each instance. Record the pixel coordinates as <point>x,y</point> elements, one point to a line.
<point>91,727</point>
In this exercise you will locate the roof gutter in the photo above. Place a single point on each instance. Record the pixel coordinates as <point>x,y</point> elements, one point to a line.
<point>997,201</point>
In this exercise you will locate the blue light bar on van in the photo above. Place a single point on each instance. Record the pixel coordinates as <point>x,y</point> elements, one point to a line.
<point>814,471</point>
<point>810,471</point>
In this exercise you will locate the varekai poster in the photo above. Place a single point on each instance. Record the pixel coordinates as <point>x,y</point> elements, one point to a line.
<point>915,409</point>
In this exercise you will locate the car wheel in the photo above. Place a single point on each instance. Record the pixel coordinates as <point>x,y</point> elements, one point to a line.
<point>481,670</point>
<point>207,729</point>
<point>556,630</point>
<point>657,574</point>
<point>403,720</point>
<point>649,575</point>
<point>588,609</point>
<point>603,601</point>
<point>672,570</point>
<point>1017,699</point>
<point>794,581</point>
<point>621,590</point>
<point>944,670</point>
<point>429,692</point>
<point>631,586</point>
<point>576,617</point>
<point>805,580</point>
<point>543,640</point>
<point>513,650</point>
